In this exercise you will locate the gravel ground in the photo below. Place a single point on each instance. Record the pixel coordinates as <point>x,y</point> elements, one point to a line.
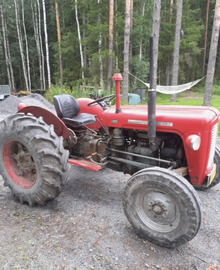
<point>85,227</point>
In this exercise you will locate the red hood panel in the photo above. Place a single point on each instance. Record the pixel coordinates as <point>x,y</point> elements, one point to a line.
<point>182,118</point>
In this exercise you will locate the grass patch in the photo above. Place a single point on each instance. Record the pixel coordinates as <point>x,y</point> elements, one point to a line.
<point>190,98</point>
<point>193,97</point>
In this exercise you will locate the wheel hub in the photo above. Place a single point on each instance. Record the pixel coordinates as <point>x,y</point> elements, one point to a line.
<point>19,164</point>
<point>23,160</point>
<point>158,209</point>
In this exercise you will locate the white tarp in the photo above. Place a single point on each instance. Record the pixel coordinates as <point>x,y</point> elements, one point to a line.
<point>171,89</point>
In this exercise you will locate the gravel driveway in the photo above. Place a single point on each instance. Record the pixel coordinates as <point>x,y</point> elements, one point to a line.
<point>85,228</point>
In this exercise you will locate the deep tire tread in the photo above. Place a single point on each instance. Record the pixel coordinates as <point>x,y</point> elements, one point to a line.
<point>49,155</point>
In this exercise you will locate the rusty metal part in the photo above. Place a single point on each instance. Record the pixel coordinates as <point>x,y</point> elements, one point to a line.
<point>182,171</point>
<point>23,161</point>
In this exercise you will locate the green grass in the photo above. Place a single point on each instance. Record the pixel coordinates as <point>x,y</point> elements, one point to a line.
<point>191,98</point>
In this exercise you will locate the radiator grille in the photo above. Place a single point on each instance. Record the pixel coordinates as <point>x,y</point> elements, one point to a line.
<point>213,144</point>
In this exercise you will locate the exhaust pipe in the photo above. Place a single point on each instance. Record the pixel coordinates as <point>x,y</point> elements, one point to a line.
<point>152,102</point>
<point>117,78</point>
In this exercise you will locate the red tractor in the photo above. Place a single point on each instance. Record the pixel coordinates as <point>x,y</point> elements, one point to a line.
<point>167,153</point>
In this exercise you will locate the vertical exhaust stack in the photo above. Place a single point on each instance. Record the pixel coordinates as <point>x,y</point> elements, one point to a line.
<point>152,101</point>
<point>117,78</point>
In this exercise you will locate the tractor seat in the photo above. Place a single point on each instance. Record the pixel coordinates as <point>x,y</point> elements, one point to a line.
<point>68,108</point>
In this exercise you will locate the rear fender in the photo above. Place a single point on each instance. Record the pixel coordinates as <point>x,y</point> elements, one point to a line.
<point>50,118</point>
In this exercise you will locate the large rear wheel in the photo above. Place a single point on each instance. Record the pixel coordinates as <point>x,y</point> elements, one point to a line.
<point>32,158</point>
<point>162,207</point>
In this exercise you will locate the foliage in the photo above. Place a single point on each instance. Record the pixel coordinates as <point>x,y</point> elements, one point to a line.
<point>190,51</point>
<point>93,19</point>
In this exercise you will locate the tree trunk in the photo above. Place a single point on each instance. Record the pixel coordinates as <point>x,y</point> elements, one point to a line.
<point>59,42</point>
<point>46,44</point>
<point>21,44</point>
<point>171,10</point>
<point>36,35</point>
<point>212,55</point>
<point>9,57</point>
<point>5,47</point>
<point>9,67</point>
<point>26,46</point>
<point>141,42</point>
<point>100,52</point>
<point>126,49</point>
<point>205,37</point>
<point>155,35</point>
<point>116,41</point>
<point>41,45</point>
<point>175,67</point>
<point>84,37</point>
<point>110,47</point>
<point>80,40</point>
<point>131,26</point>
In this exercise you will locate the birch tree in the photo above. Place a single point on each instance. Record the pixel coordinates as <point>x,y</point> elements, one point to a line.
<point>212,55</point>
<point>116,41</point>
<point>101,82</point>
<point>80,40</point>
<point>26,46</point>
<point>59,42</point>
<point>41,43</point>
<point>205,36</point>
<point>20,41</point>
<point>175,67</point>
<point>155,35</point>
<point>37,40</point>
<point>46,44</point>
<point>141,42</point>
<point>126,48</point>
<point>110,46</point>
<point>7,53</point>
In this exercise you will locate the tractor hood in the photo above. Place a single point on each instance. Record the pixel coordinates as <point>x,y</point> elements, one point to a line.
<point>178,119</point>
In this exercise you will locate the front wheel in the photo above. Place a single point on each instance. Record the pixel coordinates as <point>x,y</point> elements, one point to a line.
<point>32,158</point>
<point>162,207</point>
<point>216,180</point>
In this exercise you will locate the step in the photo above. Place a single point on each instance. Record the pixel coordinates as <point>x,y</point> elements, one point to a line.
<point>85,164</point>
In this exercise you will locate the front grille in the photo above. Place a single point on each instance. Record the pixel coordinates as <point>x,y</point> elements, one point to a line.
<point>213,144</point>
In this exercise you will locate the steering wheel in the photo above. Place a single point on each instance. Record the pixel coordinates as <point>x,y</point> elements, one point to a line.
<point>99,101</point>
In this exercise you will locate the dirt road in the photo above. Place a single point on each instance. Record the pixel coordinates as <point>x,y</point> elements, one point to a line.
<point>85,228</point>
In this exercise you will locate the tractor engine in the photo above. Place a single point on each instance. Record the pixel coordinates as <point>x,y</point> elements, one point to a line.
<point>90,145</point>
<point>131,150</point>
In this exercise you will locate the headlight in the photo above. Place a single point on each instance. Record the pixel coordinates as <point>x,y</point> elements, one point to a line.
<point>193,142</point>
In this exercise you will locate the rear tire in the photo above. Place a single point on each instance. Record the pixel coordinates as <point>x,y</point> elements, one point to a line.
<point>216,180</point>
<point>162,207</point>
<point>32,158</point>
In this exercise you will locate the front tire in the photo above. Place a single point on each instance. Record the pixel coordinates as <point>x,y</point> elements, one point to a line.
<point>32,158</point>
<point>216,180</point>
<point>162,207</point>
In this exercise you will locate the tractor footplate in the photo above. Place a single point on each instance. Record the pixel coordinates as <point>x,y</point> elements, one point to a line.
<point>85,164</point>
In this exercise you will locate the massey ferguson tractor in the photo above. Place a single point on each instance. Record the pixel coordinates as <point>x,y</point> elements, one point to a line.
<point>168,151</point>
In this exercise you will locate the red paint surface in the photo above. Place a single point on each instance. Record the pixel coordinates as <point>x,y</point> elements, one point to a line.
<point>49,118</point>
<point>11,168</point>
<point>85,164</point>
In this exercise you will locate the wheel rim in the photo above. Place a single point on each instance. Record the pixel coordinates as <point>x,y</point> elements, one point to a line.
<point>19,164</point>
<point>157,210</point>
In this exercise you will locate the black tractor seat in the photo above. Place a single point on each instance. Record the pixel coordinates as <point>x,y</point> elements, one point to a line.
<point>67,108</point>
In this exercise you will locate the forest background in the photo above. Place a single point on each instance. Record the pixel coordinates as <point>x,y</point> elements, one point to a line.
<point>72,44</point>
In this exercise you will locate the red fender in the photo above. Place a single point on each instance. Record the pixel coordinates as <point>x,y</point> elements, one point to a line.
<point>50,118</point>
